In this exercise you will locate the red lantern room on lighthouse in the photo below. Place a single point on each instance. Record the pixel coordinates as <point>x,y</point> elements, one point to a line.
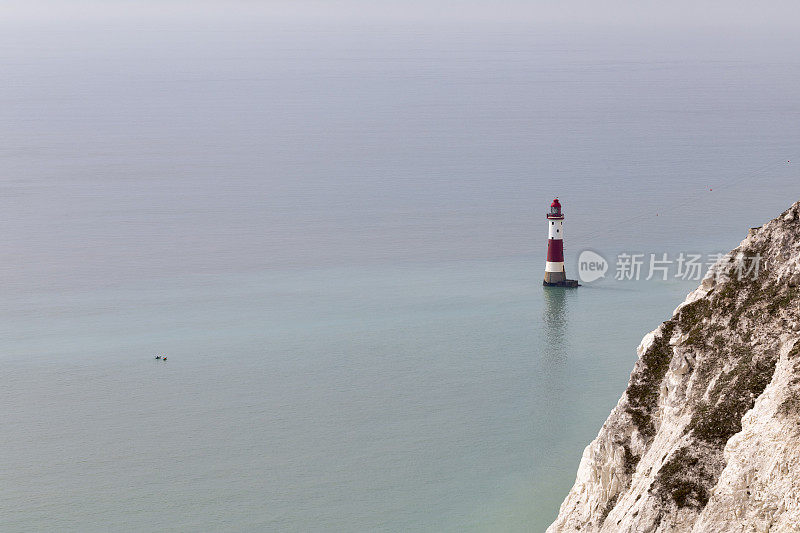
<point>554,274</point>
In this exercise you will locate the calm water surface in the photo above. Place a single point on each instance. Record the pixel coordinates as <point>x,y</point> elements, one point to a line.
<point>337,236</point>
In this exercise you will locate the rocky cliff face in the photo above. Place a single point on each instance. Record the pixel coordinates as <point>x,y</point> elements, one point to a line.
<point>707,435</point>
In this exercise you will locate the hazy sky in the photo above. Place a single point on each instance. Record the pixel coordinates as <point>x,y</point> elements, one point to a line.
<point>313,132</point>
<point>709,14</point>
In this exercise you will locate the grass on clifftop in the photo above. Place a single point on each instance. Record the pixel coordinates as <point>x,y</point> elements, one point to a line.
<point>645,386</point>
<point>733,395</point>
<point>683,480</point>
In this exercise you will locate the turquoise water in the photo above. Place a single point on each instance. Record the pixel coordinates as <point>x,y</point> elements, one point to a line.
<point>452,396</point>
<point>336,233</point>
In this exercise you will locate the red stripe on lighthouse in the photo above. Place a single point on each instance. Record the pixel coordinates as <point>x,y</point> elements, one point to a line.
<point>555,251</point>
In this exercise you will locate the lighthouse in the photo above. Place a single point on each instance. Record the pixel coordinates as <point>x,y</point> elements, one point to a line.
<point>554,274</point>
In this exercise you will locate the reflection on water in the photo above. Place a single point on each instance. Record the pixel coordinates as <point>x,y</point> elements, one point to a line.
<point>555,348</point>
<point>555,322</point>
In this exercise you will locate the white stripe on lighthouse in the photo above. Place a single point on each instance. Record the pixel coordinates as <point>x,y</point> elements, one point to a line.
<point>550,266</point>
<point>556,229</point>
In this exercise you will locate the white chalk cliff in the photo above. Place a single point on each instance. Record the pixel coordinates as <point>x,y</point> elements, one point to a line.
<point>706,438</point>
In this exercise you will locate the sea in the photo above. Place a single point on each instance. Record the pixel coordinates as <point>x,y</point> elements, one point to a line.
<point>335,230</point>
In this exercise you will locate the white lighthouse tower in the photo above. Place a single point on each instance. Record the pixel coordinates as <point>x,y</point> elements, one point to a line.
<point>554,273</point>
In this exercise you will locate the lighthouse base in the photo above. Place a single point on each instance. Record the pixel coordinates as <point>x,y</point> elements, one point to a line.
<point>558,279</point>
<point>563,283</point>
